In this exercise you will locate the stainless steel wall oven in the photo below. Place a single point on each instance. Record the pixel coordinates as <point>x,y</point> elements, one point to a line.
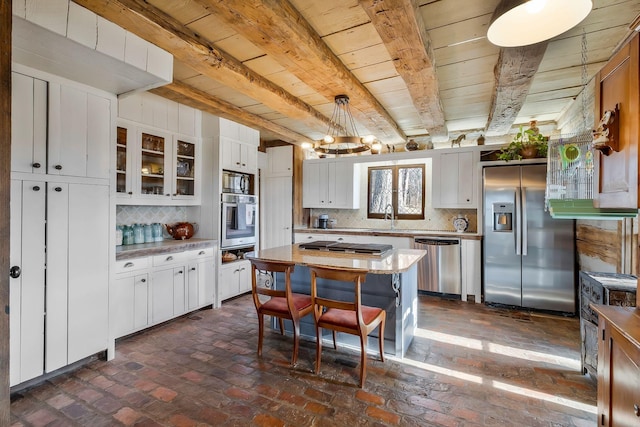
<point>239,216</point>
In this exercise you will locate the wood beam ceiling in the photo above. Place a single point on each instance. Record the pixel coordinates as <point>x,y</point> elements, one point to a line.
<point>513,77</point>
<point>282,32</point>
<point>153,25</point>
<point>402,29</point>
<point>188,95</point>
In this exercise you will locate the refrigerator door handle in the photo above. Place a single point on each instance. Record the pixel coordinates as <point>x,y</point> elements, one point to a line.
<point>525,228</point>
<point>518,228</point>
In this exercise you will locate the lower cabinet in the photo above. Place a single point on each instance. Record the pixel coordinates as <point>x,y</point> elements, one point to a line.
<point>150,290</point>
<point>235,279</point>
<point>471,269</point>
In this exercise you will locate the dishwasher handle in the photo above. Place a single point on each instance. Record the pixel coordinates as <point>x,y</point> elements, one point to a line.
<point>436,242</point>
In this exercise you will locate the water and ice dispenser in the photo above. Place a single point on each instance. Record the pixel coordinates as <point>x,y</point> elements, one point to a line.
<point>503,216</point>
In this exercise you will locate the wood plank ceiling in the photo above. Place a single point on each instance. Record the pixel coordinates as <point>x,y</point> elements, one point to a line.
<point>420,69</point>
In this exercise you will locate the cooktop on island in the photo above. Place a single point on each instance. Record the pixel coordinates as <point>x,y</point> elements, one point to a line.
<point>354,248</point>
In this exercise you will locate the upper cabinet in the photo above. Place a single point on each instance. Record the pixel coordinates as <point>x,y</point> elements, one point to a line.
<point>64,130</point>
<point>618,84</point>
<point>238,147</point>
<point>454,180</point>
<point>330,184</point>
<point>158,152</point>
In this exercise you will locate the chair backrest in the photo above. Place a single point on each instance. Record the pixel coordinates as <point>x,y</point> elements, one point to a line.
<point>357,277</point>
<point>270,267</point>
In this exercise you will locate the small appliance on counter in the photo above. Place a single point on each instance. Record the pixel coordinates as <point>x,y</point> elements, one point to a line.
<point>323,221</point>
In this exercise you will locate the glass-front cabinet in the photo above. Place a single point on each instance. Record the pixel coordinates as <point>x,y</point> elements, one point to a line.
<point>185,168</point>
<point>156,167</point>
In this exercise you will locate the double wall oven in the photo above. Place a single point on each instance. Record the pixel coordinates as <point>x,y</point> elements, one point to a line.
<point>239,215</point>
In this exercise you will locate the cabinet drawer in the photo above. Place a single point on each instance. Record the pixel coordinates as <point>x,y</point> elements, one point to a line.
<point>169,259</point>
<point>200,253</point>
<point>127,265</point>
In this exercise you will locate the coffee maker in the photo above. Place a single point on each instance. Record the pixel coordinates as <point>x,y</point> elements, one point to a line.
<point>323,221</point>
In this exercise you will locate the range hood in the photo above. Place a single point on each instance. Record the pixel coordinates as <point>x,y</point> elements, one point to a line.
<point>584,209</point>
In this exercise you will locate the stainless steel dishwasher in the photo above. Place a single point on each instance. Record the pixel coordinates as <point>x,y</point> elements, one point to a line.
<point>439,270</point>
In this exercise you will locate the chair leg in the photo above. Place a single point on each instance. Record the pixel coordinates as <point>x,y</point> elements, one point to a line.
<point>335,347</point>
<point>281,323</point>
<point>296,342</point>
<point>260,332</point>
<point>318,349</point>
<point>363,359</point>
<point>381,339</point>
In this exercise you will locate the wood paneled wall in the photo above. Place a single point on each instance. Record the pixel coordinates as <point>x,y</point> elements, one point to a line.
<point>5,175</point>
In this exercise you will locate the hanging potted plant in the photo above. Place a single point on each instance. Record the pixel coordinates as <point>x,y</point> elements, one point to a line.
<point>526,144</point>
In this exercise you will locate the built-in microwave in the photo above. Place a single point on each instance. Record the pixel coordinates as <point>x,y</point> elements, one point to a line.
<point>239,216</point>
<point>236,183</point>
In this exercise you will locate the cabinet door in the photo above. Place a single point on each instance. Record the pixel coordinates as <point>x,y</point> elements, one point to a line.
<point>27,292</point>
<point>153,165</point>
<point>471,269</point>
<point>79,133</point>
<point>249,158</point>
<point>206,281</point>
<point>88,270</point>
<point>277,205</point>
<point>618,84</point>
<point>280,161</point>
<point>193,285</point>
<point>29,133</point>
<point>448,179</point>
<point>185,169</point>
<point>453,180</point>
<point>162,295</point>
<point>343,185</point>
<point>121,306</point>
<point>57,272</point>
<point>244,277</point>
<point>315,185</point>
<point>179,291</point>
<point>228,283</point>
<point>125,149</point>
<point>466,179</point>
<point>141,301</point>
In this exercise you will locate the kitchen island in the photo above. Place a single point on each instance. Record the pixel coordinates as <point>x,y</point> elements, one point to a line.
<point>391,284</point>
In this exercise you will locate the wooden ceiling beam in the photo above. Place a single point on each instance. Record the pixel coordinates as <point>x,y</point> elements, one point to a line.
<point>513,75</point>
<point>402,29</point>
<point>155,26</point>
<point>188,95</point>
<point>283,33</point>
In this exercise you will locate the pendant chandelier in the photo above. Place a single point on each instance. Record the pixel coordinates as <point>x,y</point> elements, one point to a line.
<point>342,136</point>
<point>522,22</point>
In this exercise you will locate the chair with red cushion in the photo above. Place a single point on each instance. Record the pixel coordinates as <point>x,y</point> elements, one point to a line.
<point>282,304</point>
<point>350,317</point>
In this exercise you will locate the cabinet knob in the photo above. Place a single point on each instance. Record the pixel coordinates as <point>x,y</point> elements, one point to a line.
<point>468,200</point>
<point>180,271</point>
<point>636,410</point>
<point>58,167</point>
<point>130,192</point>
<point>58,189</point>
<point>143,280</point>
<point>36,188</point>
<point>168,195</point>
<point>244,164</point>
<point>193,269</point>
<point>36,165</point>
<point>238,163</point>
<point>14,272</point>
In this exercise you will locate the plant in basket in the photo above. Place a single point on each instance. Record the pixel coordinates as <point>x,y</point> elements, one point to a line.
<point>526,144</point>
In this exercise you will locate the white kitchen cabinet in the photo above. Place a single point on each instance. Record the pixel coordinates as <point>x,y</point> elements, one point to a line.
<point>330,184</point>
<point>200,279</point>
<point>277,207</point>
<point>63,130</point>
<point>128,303</point>
<point>471,269</point>
<point>167,293</point>
<point>454,180</point>
<point>280,161</point>
<point>238,156</point>
<point>235,279</point>
<point>70,278</point>
<point>26,291</point>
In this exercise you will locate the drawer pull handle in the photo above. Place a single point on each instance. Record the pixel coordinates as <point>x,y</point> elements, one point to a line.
<point>169,258</point>
<point>129,265</point>
<point>201,253</point>
<point>636,410</point>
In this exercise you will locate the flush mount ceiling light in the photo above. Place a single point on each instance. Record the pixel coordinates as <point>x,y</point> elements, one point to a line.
<point>342,136</point>
<point>521,22</point>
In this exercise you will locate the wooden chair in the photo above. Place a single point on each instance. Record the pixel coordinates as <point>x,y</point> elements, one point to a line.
<point>283,304</point>
<point>350,317</point>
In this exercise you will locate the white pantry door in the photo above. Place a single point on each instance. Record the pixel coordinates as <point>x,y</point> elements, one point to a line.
<point>278,206</point>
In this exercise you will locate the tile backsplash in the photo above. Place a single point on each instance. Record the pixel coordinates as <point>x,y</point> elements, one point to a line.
<point>127,215</point>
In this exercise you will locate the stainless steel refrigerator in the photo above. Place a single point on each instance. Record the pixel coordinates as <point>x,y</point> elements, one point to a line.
<point>528,257</point>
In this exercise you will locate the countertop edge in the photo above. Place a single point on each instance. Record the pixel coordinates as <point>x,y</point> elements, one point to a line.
<point>164,247</point>
<point>624,319</point>
<point>390,233</point>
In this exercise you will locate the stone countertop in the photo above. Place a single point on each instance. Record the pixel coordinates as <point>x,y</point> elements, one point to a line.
<point>394,261</point>
<point>164,247</point>
<point>390,233</point>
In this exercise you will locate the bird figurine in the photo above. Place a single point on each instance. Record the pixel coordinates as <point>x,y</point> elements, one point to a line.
<point>457,140</point>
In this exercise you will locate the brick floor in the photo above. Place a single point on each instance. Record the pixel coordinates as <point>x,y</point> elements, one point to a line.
<point>469,365</point>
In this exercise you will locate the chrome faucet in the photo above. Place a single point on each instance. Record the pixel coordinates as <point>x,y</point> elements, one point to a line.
<point>386,215</point>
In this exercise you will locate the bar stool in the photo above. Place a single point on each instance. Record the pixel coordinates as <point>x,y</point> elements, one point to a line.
<point>282,304</point>
<point>350,317</point>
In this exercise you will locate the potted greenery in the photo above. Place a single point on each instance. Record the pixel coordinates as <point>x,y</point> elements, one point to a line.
<point>525,144</point>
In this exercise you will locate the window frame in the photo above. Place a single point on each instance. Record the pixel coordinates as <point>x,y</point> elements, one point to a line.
<point>395,171</point>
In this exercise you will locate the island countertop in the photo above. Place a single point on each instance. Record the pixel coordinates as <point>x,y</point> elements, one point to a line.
<point>393,261</point>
